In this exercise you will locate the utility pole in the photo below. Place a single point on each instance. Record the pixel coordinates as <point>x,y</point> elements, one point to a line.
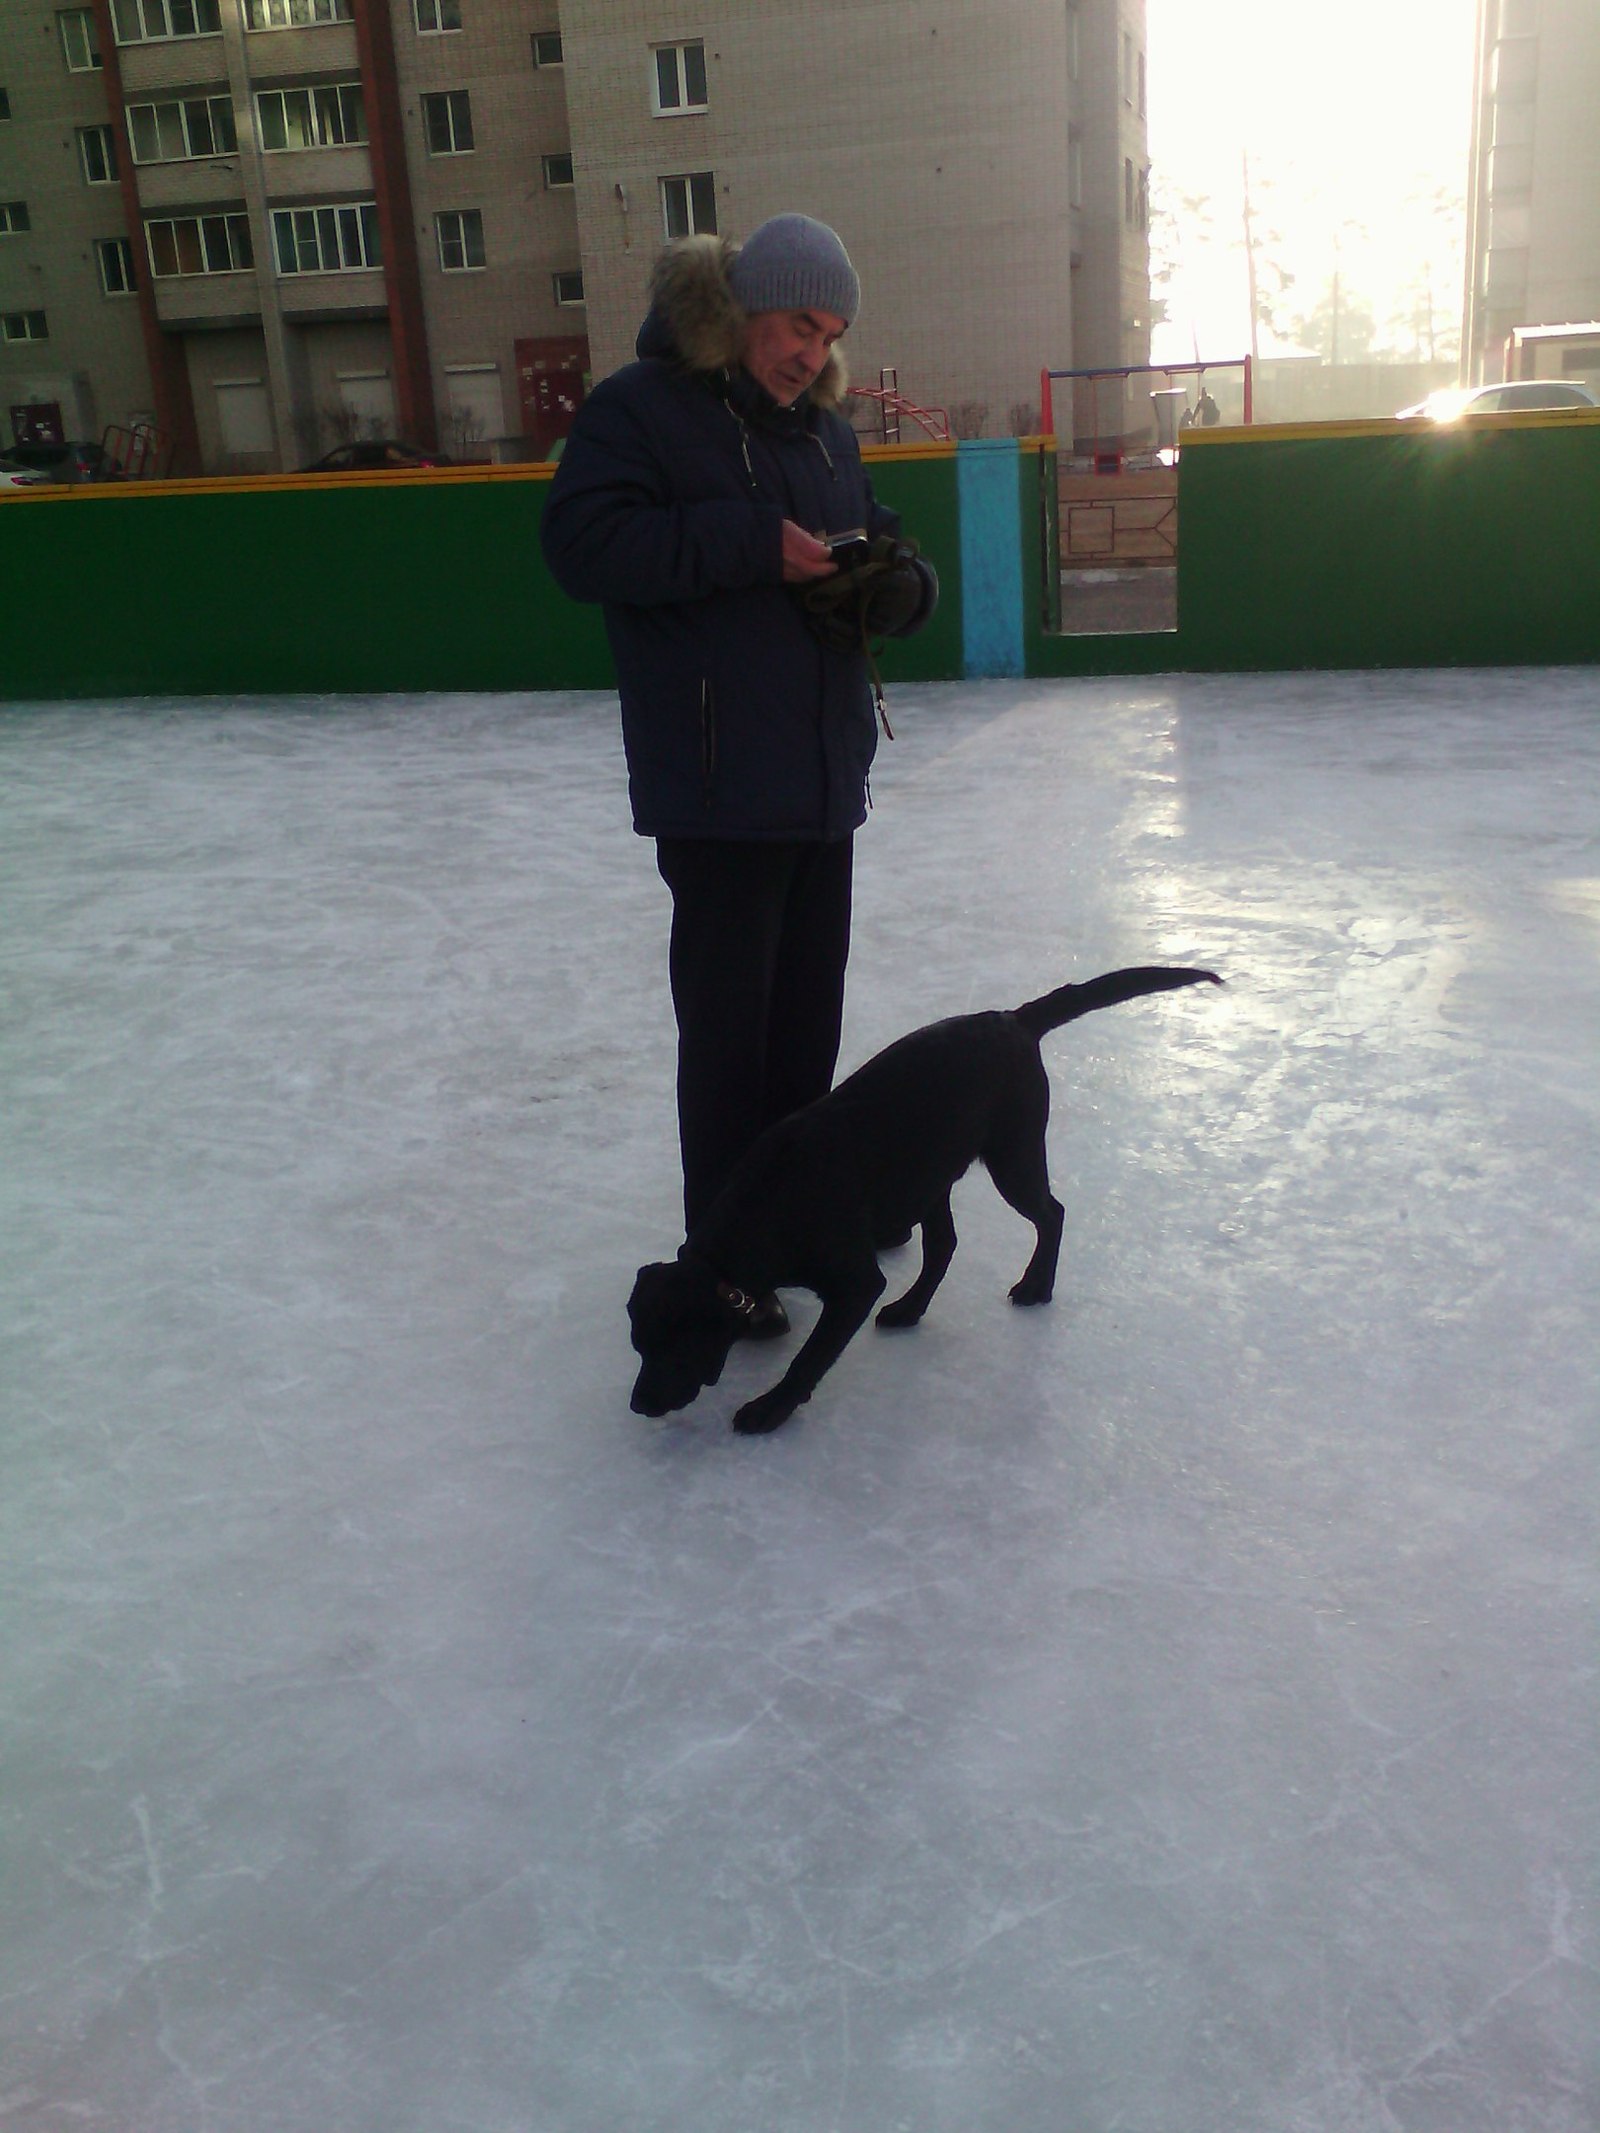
<point>1250,266</point>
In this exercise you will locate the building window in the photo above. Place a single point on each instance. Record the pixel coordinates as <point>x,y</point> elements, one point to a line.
<point>1144,198</point>
<point>679,79</point>
<point>332,116</point>
<point>568,287</point>
<point>447,122</point>
<point>1127,68</point>
<point>293,14</point>
<point>13,218</point>
<point>557,171</point>
<point>1142,85</point>
<point>460,239</point>
<point>547,48</point>
<point>199,244</point>
<point>97,151</point>
<point>24,326</point>
<point>1127,189</point>
<point>1074,167</point>
<point>327,240</point>
<point>177,133</point>
<point>689,205</point>
<point>5,105</point>
<point>115,255</point>
<point>148,21</point>
<point>79,45</point>
<point>1074,45</point>
<point>434,16</point>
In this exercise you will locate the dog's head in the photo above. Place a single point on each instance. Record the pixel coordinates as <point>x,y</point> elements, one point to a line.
<point>682,1330</point>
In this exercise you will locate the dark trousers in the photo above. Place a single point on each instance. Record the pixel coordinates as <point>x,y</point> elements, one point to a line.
<point>760,937</point>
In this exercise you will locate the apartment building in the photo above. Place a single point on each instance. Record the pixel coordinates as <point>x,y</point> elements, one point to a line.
<point>1533,207</point>
<point>268,226</point>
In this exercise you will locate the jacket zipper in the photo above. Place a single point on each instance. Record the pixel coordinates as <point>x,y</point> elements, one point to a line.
<point>708,740</point>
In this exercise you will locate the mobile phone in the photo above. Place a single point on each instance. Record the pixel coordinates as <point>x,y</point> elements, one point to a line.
<point>850,548</point>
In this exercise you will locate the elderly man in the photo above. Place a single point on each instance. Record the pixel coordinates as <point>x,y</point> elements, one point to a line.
<point>693,500</point>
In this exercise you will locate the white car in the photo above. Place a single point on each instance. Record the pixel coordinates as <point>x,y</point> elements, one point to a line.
<point>1522,396</point>
<point>14,477</point>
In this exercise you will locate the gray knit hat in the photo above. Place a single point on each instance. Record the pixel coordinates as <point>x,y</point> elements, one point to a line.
<point>794,264</point>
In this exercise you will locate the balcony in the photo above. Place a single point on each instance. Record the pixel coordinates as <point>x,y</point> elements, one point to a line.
<point>172,63</point>
<point>206,300</point>
<point>188,184</point>
<point>307,299</point>
<point>295,55</point>
<point>298,177</point>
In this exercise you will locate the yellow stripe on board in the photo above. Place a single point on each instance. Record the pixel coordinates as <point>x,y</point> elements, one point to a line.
<point>1375,426</point>
<point>259,484</point>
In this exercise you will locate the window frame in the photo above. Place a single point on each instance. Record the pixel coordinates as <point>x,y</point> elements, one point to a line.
<point>461,216</point>
<point>685,106</point>
<point>692,227</point>
<point>319,14</point>
<point>333,218</point>
<point>106,140</point>
<point>81,19</point>
<point>568,274</point>
<point>235,224</point>
<point>454,104</point>
<point>5,105</point>
<point>539,37</point>
<point>558,185</point>
<point>319,96</point>
<point>183,106</point>
<point>439,27</point>
<point>9,225</point>
<point>145,10</point>
<point>120,248</point>
<point>29,333</point>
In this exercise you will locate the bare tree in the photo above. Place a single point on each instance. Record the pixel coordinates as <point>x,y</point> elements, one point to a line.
<point>1023,418</point>
<point>967,417</point>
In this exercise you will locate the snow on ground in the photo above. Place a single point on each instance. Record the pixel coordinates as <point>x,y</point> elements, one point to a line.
<point>1171,1712</point>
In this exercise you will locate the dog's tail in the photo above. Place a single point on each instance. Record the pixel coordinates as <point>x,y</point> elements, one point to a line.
<point>1068,1002</point>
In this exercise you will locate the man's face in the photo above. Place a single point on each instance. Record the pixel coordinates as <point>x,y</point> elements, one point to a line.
<point>785,350</point>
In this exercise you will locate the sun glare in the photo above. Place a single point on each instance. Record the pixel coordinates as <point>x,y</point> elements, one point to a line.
<point>1346,135</point>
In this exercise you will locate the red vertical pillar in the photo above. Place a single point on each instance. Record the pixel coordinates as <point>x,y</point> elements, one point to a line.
<point>402,273</point>
<point>170,389</point>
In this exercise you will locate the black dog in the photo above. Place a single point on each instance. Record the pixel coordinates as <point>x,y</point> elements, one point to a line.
<point>828,1188</point>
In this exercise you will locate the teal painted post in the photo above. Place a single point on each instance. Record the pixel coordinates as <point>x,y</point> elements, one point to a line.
<point>989,491</point>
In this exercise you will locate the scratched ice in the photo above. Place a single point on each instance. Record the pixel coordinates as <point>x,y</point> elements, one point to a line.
<point>1171,1712</point>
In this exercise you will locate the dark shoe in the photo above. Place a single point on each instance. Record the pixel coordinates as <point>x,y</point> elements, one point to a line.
<point>769,1321</point>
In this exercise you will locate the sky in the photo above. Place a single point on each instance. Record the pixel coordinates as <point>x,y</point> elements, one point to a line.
<point>1354,120</point>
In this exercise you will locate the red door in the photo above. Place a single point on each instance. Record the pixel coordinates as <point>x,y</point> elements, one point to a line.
<point>552,375</point>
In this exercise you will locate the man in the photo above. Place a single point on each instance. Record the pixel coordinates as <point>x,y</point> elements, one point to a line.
<point>690,500</point>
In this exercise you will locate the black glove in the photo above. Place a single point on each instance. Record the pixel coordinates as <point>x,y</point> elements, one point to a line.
<point>891,594</point>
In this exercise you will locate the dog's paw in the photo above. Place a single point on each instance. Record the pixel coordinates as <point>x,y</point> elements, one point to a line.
<point>905,1311</point>
<point>759,1417</point>
<point>1033,1291</point>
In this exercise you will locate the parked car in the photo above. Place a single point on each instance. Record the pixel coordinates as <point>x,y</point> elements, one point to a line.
<point>378,452</point>
<point>14,477</point>
<point>1517,398</point>
<point>66,462</point>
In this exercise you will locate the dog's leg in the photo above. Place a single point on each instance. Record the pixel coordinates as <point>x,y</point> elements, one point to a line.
<point>1022,1179</point>
<point>938,1249</point>
<point>844,1313</point>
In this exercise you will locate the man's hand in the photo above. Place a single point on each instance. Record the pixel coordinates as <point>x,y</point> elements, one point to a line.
<point>804,556</point>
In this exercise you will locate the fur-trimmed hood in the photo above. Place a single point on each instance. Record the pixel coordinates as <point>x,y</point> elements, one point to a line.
<point>696,320</point>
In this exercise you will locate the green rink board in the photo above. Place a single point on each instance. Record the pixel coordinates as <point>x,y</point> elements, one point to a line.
<point>1477,545</point>
<point>337,588</point>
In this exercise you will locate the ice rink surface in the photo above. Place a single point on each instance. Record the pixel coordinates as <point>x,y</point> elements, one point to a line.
<point>1174,1711</point>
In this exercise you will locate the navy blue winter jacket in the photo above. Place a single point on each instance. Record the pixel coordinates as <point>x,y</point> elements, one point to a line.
<point>668,507</point>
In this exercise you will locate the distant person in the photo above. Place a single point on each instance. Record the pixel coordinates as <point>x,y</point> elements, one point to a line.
<point>1206,411</point>
<point>691,501</point>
